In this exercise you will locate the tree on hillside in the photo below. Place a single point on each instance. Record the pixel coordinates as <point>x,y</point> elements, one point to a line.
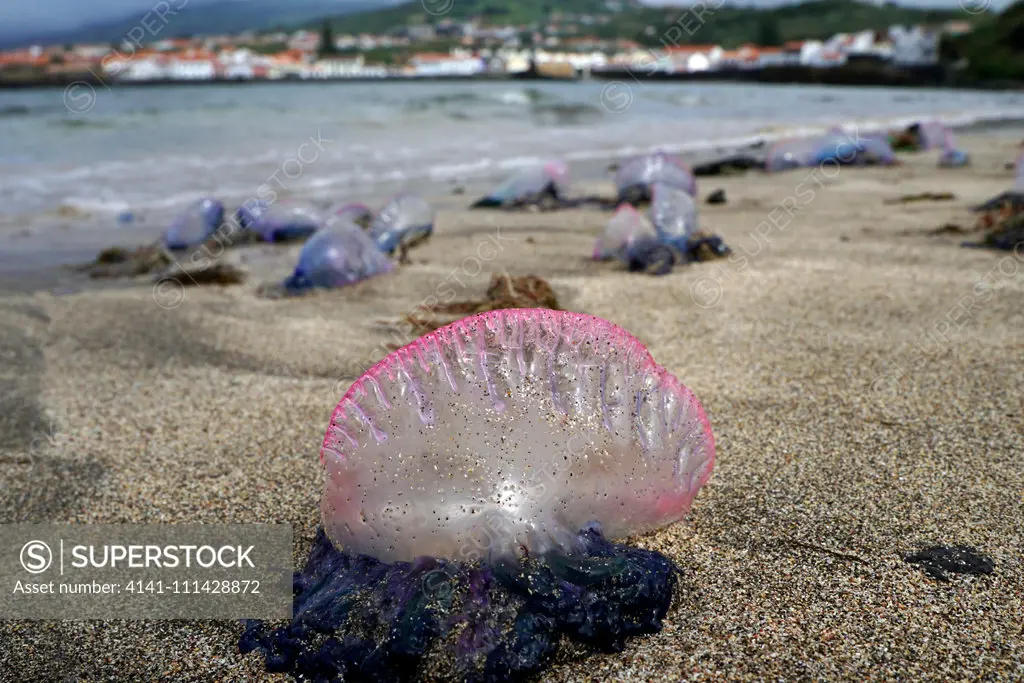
<point>768,32</point>
<point>327,47</point>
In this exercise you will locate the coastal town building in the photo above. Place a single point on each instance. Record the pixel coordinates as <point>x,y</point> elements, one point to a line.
<point>563,46</point>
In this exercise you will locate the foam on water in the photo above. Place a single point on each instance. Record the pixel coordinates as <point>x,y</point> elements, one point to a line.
<point>127,162</point>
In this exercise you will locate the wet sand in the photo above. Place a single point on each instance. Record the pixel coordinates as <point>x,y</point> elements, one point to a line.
<point>865,382</point>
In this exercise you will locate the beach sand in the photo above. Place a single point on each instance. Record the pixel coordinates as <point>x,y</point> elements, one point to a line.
<point>841,445</point>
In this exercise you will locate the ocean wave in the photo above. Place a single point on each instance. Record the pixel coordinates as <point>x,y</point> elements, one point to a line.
<point>15,110</point>
<point>82,123</point>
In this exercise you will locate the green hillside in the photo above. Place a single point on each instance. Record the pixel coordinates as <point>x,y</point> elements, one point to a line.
<point>995,50</point>
<point>729,26</point>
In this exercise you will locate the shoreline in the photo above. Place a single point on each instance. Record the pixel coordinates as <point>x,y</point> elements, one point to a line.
<point>857,75</point>
<point>85,232</point>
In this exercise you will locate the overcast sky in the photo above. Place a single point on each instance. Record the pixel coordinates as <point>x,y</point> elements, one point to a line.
<point>38,15</point>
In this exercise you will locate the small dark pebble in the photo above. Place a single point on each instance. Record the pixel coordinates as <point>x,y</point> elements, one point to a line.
<point>938,560</point>
<point>844,238</point>
<point>717,197</point>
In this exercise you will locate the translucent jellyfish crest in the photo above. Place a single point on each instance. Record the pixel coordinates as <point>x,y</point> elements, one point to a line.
<point>338,256</point>
<point>507,430</point>
<point>934,135</point>
<point>876,149</point>
<point>353,212</point>
<point>558,172</point>
<point>792,153</point>
<point>280,220</point>
<point>673,213</point>
<point>625,227</point>
<point>195,224</point>
<point>406,219</point>
<point>530,183</point>
<point>953,158</point>
<point>659,167</point>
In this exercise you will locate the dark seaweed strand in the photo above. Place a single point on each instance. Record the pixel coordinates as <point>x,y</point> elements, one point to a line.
<point>359,619</point>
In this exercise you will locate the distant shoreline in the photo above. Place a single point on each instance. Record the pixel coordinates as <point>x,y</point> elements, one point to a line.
<point>860,75</point>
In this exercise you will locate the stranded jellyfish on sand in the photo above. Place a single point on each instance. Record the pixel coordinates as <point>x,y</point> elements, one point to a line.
<point>674,215</point>
<point>624,228</point>
<point>531,186</point>
<point>279,221</point>
<point>194,225</point>
<point>355,212</point>
<point>406,220</point>
<point>338,256</point>
<point>635,179</point>
<point>835,147</point>
<point>473,479</point>
<point>793,153</point>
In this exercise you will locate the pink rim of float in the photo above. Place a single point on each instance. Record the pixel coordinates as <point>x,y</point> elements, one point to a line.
<point>558,171</point>
<point>581,328</point>
<point>352,207</point>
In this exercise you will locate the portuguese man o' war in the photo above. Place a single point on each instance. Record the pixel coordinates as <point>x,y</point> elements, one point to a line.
<point>791,153</point>
<point>194,225</point>
<point>950,156</point>
<point>353,212</point>
<point>842,148</point>
<point>668,239</point>
<point>674,214</point>
<point>625,227</point>
<point>834,147</point>
<point>473,479</point>
<point>933,135</point>
<point>337,256</point>
<point>406,220</point>
<point>954,158</point>
<point>280,221</point>
<point>635,178</point>
<point>530,186</point>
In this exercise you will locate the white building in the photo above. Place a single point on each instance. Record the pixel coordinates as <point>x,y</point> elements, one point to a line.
<point>191,68</point>
<point>437,64</point>
<point>346,68</point>
<point>144,69</point>
<point>690,58</point>
<point>810,52</point>
<point>914,46</point>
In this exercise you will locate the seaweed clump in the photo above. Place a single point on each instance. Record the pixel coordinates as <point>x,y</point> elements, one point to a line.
<point>117,262</point>
<point>356,618</point>
<point>505,291</point>
<point>1002,227</point>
